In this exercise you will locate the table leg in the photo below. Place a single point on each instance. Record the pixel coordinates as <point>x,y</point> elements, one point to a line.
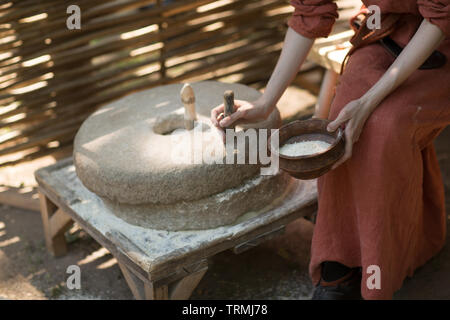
<point>55,222</point>
<point>163,289</point>
<point>135,284</point>
<point>143,290</point>
<point>326,94</point>
<point>183,288</point>
<point>153,292</point>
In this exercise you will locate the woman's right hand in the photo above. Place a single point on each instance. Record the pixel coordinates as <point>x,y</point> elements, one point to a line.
<point>250,111</point>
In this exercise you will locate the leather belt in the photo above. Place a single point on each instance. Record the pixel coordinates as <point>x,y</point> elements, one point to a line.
<point>365,36</point>
<point>436,60</point>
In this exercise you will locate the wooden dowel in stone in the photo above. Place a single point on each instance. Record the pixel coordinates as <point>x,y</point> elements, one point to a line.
<point>188,99</point>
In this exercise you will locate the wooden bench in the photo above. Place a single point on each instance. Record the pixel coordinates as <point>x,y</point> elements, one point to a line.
<point>156,264</point>
<point>329,53</point>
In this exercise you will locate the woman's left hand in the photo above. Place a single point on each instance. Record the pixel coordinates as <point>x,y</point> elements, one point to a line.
<point>354,116</point>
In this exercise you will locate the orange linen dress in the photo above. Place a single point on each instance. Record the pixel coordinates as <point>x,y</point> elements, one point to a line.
<point>385,205</point>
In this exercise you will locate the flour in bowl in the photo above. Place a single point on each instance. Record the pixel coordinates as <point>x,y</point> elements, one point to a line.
<point>303,148</point>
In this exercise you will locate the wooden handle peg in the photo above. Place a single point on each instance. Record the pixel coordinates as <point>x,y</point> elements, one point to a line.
<point>188,100</point>
<point>228,101</point>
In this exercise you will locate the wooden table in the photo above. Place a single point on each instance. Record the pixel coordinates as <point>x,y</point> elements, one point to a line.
<point>156,264</point>
<point>330,53</point>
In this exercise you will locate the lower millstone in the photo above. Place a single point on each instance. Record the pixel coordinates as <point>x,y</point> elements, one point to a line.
<point>257,194</point>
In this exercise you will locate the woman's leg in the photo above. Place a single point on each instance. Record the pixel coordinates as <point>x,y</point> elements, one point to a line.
<point>384,206</point>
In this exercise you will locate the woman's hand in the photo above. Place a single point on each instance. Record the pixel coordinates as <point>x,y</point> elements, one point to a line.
<point>354,116</point>
<point>294,52</point>
<point>427,38</point>
<point>250,111</point>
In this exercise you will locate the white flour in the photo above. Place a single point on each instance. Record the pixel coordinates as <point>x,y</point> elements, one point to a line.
<point>303,148</point>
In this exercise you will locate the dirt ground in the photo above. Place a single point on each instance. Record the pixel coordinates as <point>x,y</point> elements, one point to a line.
<point>274,270</point>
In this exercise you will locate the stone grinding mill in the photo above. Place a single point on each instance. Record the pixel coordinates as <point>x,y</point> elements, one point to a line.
<point>124,154</point>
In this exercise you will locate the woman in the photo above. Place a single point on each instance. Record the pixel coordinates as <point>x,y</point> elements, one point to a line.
<point>382,204</point>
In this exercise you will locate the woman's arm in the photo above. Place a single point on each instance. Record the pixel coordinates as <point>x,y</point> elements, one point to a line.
<point>295,49</point>
<point>425,41</point>
<point>294,52</point>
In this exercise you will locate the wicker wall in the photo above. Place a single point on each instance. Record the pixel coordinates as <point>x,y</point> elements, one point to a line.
<point>52,78</point>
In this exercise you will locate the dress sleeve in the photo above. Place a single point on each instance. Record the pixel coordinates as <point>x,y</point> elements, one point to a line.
<point>313,18</point>
<point>437,12</point>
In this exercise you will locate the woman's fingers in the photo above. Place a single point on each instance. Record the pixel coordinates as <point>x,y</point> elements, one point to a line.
<point>343,116</point>
<point>359,129</point>
<point>357,135</point>
<point>348,147</point>
<point>225,122</point>
<point>354,115</point>
<point>341,119</point>
<point>215,114</point>
<point>221,132</point>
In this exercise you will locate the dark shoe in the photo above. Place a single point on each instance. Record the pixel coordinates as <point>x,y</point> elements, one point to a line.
<point>347,288</point>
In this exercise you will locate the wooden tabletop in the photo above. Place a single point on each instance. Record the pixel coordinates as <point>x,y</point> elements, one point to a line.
<point>153,253</point>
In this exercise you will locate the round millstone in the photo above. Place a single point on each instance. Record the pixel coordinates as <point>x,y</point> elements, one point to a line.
<point>126,152</point>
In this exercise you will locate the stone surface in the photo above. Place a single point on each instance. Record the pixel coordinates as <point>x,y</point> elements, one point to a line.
<point>150,171</point>
<point>118,155</point>
<point>254,196</point>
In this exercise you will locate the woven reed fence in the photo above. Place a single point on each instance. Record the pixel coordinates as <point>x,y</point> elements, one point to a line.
<point>52,78</point>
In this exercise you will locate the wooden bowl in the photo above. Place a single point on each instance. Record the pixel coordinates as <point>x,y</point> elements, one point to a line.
<point>313,165</point>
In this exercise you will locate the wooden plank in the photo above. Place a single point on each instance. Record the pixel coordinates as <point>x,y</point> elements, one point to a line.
<point>55,244</point>
<point>306,211</point>
<point>59,223</point>
<point>166,277</point>
<point>17,197</point>
<point>322,109</point>
<point>133,282</point>
<point>156,293</point>
<point>47,209</point>
<point>249,244</point>
<point>64,197</point>
<point>183,289</point>
<point>330,53</point>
